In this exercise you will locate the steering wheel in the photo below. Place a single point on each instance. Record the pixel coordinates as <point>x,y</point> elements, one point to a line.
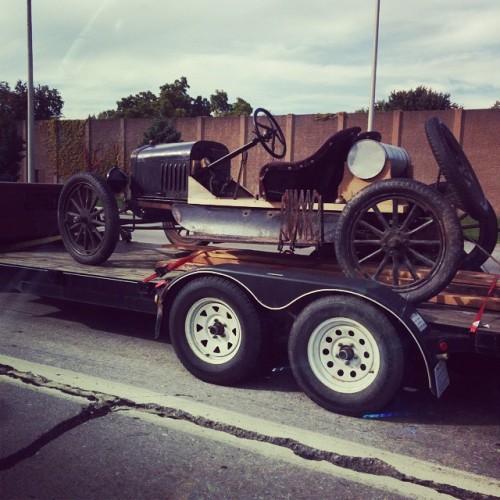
<point>269,133</point>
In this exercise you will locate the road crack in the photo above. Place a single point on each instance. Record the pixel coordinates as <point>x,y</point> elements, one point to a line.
<point>103,404</point>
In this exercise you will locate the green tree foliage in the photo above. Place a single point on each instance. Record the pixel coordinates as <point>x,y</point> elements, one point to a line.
<point>241,107</point>
<point>11,149</point>
<point>419,99</point>
<point>141,105</point>
<point>160,131</point>
<point>47,102</point>
<point>220,106</point>
<point>174,101</point>
<point>219,103</point>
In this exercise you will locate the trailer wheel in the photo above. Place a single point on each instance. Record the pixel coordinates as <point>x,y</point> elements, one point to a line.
<point>216,331</point>
<point>88,218</point>
<point>346,355</point>
<point>402,234</point>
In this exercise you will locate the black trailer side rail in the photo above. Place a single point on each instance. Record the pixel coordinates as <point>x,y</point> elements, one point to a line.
<point>118,293</point>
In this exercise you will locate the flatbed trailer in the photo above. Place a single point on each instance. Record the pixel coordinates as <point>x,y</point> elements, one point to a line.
<point>296,289</point>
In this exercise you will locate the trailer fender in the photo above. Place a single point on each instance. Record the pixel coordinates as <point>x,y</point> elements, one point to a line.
<point>277,288</point>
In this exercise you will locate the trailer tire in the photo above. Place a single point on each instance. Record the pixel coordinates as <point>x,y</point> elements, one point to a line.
<point>216,331</point>
<point>346,355</point>
<point>88,218</point>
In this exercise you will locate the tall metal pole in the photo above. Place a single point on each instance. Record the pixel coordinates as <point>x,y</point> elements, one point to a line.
<point>30,150</point>
<point>374,67</point>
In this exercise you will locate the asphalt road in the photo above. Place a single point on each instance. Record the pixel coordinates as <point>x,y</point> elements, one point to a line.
<point>92,407</point>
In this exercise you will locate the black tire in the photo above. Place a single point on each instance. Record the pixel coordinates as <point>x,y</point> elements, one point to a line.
<point>456,168</point>
<point>346,355</point>
<point>480,236</point>
<point>216,331</point>
<point>88,218</point>
<point>415,248</point>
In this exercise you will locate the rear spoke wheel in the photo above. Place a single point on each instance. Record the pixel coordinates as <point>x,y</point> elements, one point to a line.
<point>398,233</point>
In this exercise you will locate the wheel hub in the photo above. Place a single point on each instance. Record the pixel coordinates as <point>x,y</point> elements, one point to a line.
<point>343,355</point>
<point>217,329</point>
<point>213,331</point>
<point>346,353</point>
<point>394,240</point>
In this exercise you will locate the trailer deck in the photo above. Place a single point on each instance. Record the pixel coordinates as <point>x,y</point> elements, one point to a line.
<point>48,270</point>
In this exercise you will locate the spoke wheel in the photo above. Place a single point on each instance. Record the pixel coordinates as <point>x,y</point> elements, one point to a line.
<point>346,355</point>
<point>215,330</point>
<point>402,234</point>
<point>456,168</point>
<point>88,219</point>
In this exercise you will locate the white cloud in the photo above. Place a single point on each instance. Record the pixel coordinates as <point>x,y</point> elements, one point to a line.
<point>289,55</point>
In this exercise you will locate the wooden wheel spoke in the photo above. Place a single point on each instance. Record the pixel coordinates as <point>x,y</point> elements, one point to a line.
<point>423,243</point>
<point>426,224</point>
<point>371,228</point>
<point>381,217</point>
<point>370,256</point>
<point>395,214</point>
<point>380,268</point>
<point>411,268</point>
<point>410,218</point>
<point>421,257</point>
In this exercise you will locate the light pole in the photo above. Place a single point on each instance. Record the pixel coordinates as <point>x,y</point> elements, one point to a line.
<point>374,67</point>
<point>31,108</point>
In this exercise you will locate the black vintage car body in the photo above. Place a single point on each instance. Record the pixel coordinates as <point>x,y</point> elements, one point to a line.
<point>394,230</point>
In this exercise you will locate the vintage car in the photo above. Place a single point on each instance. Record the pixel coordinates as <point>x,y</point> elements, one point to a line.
<point>370,216</point>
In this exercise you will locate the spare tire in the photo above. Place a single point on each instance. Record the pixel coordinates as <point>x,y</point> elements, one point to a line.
<point>456,168</point>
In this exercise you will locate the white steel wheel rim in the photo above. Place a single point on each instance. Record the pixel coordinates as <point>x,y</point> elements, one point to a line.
<point>213,331</point>
<point>343,355</point>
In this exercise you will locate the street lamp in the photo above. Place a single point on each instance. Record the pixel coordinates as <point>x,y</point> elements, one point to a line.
<point>374,67</point>
<point>31,108</point>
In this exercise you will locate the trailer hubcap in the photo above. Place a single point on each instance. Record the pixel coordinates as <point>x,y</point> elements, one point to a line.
<point>343,355</point>
<point>213,331</point>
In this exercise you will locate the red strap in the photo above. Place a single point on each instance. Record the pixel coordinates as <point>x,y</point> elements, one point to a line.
<point>180,262</point>
<point>479,315</point>
<point>173,265</point>
<point>149,278</point>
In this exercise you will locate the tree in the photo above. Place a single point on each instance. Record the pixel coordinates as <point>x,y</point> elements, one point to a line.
<point>496,105</point>
<point>219,104</point>
<point>11,148</point>
<point>241,107</point>
<point>48,103</point>
<point>160,131</point>
<point>141,105</point>
<point>200,107</point>
<point>419,99</point>
<point>174,101</point>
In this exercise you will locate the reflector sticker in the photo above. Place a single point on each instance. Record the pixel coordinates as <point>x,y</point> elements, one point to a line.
<point>441,378</point>
<point>419,321</point>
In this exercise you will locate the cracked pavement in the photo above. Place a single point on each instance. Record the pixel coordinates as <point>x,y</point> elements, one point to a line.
<point>79,405</point>
<point>165,434</point>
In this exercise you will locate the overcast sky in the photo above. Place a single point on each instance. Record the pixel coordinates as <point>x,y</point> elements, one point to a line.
<point>290,56</point>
